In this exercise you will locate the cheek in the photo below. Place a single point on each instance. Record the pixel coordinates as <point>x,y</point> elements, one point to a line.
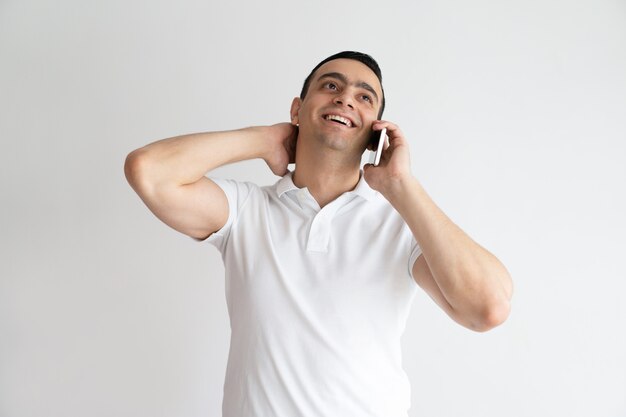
<point>368,119</point>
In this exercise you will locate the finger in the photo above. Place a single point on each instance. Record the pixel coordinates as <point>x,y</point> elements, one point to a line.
<point>393,131</point>
<point>391,127</point>
<point>379,124</point>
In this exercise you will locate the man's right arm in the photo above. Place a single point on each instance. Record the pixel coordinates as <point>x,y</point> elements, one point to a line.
<point>168,175</point>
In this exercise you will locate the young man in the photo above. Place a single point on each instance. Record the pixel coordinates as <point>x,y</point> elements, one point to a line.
<point>321,267</point>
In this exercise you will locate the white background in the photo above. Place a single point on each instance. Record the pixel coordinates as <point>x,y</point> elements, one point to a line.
<point>516,114</point>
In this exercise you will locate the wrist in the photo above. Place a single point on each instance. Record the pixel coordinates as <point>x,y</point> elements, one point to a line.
<point>258,141</point>
<point>397,188</point>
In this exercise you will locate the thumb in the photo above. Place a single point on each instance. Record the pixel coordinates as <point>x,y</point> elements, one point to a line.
<point>367,167</point>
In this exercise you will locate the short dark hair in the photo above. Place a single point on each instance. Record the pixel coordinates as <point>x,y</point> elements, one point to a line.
<point>357,56</point>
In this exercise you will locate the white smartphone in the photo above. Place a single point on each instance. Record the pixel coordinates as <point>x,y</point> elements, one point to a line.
<point>380,146</point>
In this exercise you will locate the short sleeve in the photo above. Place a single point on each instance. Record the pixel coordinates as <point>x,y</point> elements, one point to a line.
<point>416,251</point>
<point>236,194</point>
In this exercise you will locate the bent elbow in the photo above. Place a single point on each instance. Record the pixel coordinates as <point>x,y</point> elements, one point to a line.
<point>493,316</point>
<point>135,168</point>
<point>498,309</point>
<point>132,165</point>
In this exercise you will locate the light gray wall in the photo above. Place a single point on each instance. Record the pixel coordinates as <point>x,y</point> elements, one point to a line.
<point>516,115</point>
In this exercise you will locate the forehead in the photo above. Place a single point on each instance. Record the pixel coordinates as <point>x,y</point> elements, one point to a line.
<point>355,72</point>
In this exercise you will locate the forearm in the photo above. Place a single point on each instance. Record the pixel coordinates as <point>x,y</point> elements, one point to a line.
<point>185,159</point>
<point>472,280</point>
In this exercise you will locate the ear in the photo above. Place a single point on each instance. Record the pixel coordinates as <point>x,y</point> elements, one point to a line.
<point>295,108</point>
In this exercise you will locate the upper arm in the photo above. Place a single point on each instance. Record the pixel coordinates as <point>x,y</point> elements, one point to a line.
<point>197,209</point>
<point>424,278</point>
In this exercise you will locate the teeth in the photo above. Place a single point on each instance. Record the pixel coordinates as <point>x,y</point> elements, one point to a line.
<point>339,119</point>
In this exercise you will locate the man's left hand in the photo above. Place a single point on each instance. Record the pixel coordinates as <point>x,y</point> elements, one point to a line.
<point>395,164</point>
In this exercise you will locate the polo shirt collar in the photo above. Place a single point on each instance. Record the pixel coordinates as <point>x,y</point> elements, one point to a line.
<point>285,184</point>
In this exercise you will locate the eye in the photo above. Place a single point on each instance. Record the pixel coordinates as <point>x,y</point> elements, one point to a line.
<point>367,98</point>
<point>331,85</point>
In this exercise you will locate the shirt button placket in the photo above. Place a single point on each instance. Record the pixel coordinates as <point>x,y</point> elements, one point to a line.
<point>319,235</point>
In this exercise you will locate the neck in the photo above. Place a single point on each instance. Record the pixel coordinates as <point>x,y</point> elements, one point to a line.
<point>326,173</point>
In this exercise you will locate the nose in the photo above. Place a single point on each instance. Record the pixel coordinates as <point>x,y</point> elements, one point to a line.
<point>344,99</point>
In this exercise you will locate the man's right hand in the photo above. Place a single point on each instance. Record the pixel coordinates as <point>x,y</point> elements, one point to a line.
<point>282,149</point>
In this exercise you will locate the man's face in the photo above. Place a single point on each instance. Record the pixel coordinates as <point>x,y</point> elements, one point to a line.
<point>343,99</point>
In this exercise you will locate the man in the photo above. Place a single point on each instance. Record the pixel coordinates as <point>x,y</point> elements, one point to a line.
<point>321,267</point>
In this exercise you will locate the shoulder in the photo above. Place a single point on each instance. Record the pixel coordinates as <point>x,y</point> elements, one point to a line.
<point>237,188</point>
<point>242,193</point>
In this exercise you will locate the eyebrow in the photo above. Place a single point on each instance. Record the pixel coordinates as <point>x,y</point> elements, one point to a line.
<point>339,76</point>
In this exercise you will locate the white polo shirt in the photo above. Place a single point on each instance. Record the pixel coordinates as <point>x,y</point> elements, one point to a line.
<point>318,301</point>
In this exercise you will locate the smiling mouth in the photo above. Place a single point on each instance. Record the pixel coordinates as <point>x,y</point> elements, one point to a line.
<point>338,119</point>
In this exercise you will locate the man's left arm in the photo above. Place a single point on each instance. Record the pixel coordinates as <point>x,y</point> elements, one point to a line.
<point>461,276</point>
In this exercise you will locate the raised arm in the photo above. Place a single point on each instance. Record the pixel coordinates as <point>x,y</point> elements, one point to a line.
<point>169,175</point>
<point>468,282</point>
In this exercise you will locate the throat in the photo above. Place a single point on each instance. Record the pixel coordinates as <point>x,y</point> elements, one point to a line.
<point>326,184</point>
